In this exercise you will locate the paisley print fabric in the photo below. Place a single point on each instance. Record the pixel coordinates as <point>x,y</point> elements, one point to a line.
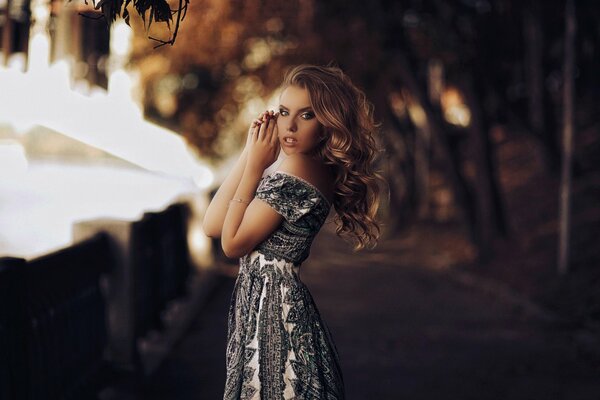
<point>278,346</point>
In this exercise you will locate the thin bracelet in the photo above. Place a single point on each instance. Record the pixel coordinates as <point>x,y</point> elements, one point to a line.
<point>239,200</point>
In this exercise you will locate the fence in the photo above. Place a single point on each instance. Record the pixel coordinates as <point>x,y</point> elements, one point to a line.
<point>53,326</point>
<point>159,264</point>
<point>65,316</point>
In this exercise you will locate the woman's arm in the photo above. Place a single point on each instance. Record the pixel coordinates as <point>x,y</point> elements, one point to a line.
<point>249,222</point>
<point>214,216</point>
<point>217,209</point>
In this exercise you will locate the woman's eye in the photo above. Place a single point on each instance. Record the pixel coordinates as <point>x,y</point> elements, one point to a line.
<point>307,115</point>
<point>283,112</point>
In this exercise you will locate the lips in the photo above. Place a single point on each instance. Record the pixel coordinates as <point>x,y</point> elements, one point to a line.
<point>289,140</point>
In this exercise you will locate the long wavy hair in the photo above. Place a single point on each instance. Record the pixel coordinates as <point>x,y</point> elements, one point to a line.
<point>348,144</point>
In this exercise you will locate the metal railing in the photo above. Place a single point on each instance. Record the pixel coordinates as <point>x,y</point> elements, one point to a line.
<point>52,323</point>
<point>70,319</point>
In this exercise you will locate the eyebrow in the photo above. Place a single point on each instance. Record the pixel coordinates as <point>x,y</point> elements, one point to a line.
<point>309,108</point>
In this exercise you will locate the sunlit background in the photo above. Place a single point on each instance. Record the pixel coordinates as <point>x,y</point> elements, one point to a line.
<point>73,150</point>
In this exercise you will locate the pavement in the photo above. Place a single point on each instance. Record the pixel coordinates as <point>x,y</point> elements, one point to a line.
<point>403,332</point>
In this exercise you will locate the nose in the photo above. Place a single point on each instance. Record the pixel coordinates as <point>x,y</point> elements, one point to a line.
<point>291,126</point>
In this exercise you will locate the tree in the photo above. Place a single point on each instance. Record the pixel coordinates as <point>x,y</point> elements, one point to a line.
<point>157,10</point>
<point>567,147</point>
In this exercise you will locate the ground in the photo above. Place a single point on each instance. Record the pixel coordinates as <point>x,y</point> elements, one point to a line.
<point>404,331</point>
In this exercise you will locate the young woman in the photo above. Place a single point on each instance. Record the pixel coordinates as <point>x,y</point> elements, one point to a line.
<point>278,346</point>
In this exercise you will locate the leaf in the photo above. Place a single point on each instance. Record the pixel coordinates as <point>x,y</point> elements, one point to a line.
<point>142,6</point>
<point>150,18</point>
<point>126,16</point>
<point>126,12</point>
<point>159,11</point>
<point>110,8</point>
<point>162,11</point>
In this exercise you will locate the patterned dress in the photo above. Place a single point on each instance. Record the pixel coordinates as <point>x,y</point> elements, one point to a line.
<point>278,347</point>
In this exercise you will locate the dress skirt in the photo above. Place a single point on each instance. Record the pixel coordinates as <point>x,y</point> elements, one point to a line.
<point>278,346</point>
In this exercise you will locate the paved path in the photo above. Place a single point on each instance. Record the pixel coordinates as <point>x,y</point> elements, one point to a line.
<point>402,333</point>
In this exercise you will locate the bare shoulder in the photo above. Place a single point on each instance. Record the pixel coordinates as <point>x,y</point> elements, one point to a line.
<point>314,172</point>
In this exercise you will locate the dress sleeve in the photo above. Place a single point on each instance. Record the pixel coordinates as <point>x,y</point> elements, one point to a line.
<point>289,196</point>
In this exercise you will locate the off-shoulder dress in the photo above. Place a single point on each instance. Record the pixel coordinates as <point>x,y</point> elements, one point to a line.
<point>278,346</point>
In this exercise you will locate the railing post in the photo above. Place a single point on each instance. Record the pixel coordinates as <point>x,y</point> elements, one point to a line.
<point>14,352</point>
<point>119,290</point>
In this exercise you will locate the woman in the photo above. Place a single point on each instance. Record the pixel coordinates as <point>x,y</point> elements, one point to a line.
<point>278,347</point>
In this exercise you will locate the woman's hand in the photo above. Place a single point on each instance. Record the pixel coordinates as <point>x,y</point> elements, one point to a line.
<point>263,142</point>
<point>257,122</point>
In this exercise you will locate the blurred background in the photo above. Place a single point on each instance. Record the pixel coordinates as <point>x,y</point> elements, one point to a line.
<point>114,137</point>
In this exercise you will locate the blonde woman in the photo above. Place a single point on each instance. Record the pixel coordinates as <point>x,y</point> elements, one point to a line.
<point>278,346</point>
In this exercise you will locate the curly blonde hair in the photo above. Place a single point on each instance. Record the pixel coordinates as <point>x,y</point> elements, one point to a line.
<point>348,145</point>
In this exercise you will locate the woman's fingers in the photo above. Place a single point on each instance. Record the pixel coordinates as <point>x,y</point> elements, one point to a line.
<point>272,130</point>
<point>263,127</point>
<point>253,133</point>
<point>260,119</point>
<point>274,134</point>
<point>255,123</point>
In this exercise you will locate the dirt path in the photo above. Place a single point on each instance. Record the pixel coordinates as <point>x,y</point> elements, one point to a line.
<point>402,333</point>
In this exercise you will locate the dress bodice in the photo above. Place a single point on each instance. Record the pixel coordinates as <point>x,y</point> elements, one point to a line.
<point>304,209</point>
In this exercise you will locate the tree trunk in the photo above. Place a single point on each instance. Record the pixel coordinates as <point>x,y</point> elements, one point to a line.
<point>398,183</point>
<point>567,142</point>
<point>452,171</point>
<point>540,113</point>
<point>422,147</point>
<point>402,177</point>
<point>489,210</point>
<point>534,67</point>
<point>533,33</point>
<point>400,166</point>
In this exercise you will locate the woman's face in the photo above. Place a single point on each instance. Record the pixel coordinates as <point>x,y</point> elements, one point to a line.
<point>297,125</point>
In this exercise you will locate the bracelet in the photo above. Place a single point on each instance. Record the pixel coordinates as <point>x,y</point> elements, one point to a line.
<point>239,200</point>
